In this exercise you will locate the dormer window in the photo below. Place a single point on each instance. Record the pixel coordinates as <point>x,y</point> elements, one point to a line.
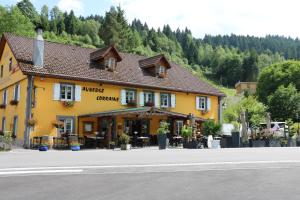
<point>105,58</point>
<point>156,66</point>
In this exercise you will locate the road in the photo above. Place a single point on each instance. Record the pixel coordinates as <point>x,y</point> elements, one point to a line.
<point>233,174</point>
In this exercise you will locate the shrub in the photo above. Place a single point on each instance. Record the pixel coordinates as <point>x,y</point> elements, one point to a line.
<point>163,128</point>
<point>124,138</point>
<point>6,140</point>
<point>186,132</point>
<point>211,128</point>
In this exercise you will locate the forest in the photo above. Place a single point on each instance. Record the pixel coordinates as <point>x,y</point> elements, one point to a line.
<point>223,60</point>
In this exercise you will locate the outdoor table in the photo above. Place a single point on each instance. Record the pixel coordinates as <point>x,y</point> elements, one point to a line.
<point>96,138</point>
<point>177,139</point>
<point>143,140</point>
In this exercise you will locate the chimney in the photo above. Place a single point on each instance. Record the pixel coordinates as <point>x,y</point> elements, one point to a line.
<point>38,49</point>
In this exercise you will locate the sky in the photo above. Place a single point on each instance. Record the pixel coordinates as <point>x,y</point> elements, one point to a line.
<point>241,17</point>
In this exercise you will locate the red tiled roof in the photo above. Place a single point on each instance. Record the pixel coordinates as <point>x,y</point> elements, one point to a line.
<point>73,62</point>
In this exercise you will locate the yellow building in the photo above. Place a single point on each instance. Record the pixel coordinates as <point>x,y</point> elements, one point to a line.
<point>52,89</point>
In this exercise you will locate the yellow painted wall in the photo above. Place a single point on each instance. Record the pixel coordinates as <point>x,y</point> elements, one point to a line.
<point>8,81</point>
<point>47,110</point>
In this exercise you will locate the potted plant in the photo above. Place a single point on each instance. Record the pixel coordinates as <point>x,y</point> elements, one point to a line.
<point>131,103</point>
<point>2,106</point>
<point>58,124</point>
<point>212,130</point>
<point>6,140</point>
<point>68,104</point>
<point>14,102</point>
<point>186,134</point>
<point>31,122</point>
<point>75,146</point>
<point>162,135</point>
<point>124,141</point>
<point>44,147</point>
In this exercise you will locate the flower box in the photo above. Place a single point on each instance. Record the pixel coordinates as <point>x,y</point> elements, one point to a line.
<point>162,75</point>
<point>31,122</point>
<point>14,102</point>
<point>149,104</point>
<point>2,106</point>
<point>131,104</point>
<point>58,124</point>
<point>68,104</point>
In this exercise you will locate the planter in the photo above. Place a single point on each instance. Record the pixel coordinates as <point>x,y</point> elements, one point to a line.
<point>291,142</point>
<point>258,143</point>
<point>43,148</point>
<point>131,104</point>
<point>194,144</point>
<point>75,148</point>
<point>68,104</point>
<point>274,143</point>
<point>149,104</point>
<point>14,102</point>
<point>125,146</point>
<point>162,141</point>
<point>2,106</point>
<point>215,144</point>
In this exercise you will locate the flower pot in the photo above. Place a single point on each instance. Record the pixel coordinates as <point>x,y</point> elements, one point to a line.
<point>162,141</point>
<point>125,146</point>
<point>75,148</point>
<point>215,144</point>
<point>43,148</point>
<point>258,143</point>
<point>274,143</point>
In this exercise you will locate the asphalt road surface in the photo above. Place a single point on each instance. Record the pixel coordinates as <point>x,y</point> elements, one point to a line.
<point>233,174</point>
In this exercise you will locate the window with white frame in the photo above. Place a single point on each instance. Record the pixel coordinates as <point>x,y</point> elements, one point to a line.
<point>68,126</point>
<point>179,125</point>
<point>110,63</point>
<point>130,96</point>
<point>148,97</point>
<point>202,103</point>
<point>66,92</point>
<point>161,69</point>
<point>164,100</point>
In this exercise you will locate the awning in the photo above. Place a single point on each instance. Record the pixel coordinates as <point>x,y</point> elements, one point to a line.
<point>141,110</point>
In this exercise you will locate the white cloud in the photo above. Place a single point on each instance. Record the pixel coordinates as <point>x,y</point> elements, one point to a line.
<point>68,5</point>
<point>253,17</point>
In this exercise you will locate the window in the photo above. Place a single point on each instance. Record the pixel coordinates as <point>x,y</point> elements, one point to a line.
<point>10,64</point>
<point>17,92</point>
<point>130,96</point>
<point>202,103</point>
<point>1,73</point>
<point>110,63</point>
<point>15,126</point>
<point>66,92</point>
<point>4,97</point>
<point>68,126</point>
<point>148,97</point>
<point>88,126</point>
<point>161,70</point>
<point>179,125</point>
<point>164,100</point>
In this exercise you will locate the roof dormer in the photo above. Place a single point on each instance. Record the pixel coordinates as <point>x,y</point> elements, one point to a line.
<point>106,58</point>
<point>156,65</point>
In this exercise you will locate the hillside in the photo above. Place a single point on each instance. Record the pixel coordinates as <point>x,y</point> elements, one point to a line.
<point>221,60</point>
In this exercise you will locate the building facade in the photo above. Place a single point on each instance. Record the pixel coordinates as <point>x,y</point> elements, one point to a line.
<point>52,89</point>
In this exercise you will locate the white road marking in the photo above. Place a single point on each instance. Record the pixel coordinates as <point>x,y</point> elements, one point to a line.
<point>40,172</point>
<point>152,165</point>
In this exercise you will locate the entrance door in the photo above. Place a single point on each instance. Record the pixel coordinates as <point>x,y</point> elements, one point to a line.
<point>139,126</point>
